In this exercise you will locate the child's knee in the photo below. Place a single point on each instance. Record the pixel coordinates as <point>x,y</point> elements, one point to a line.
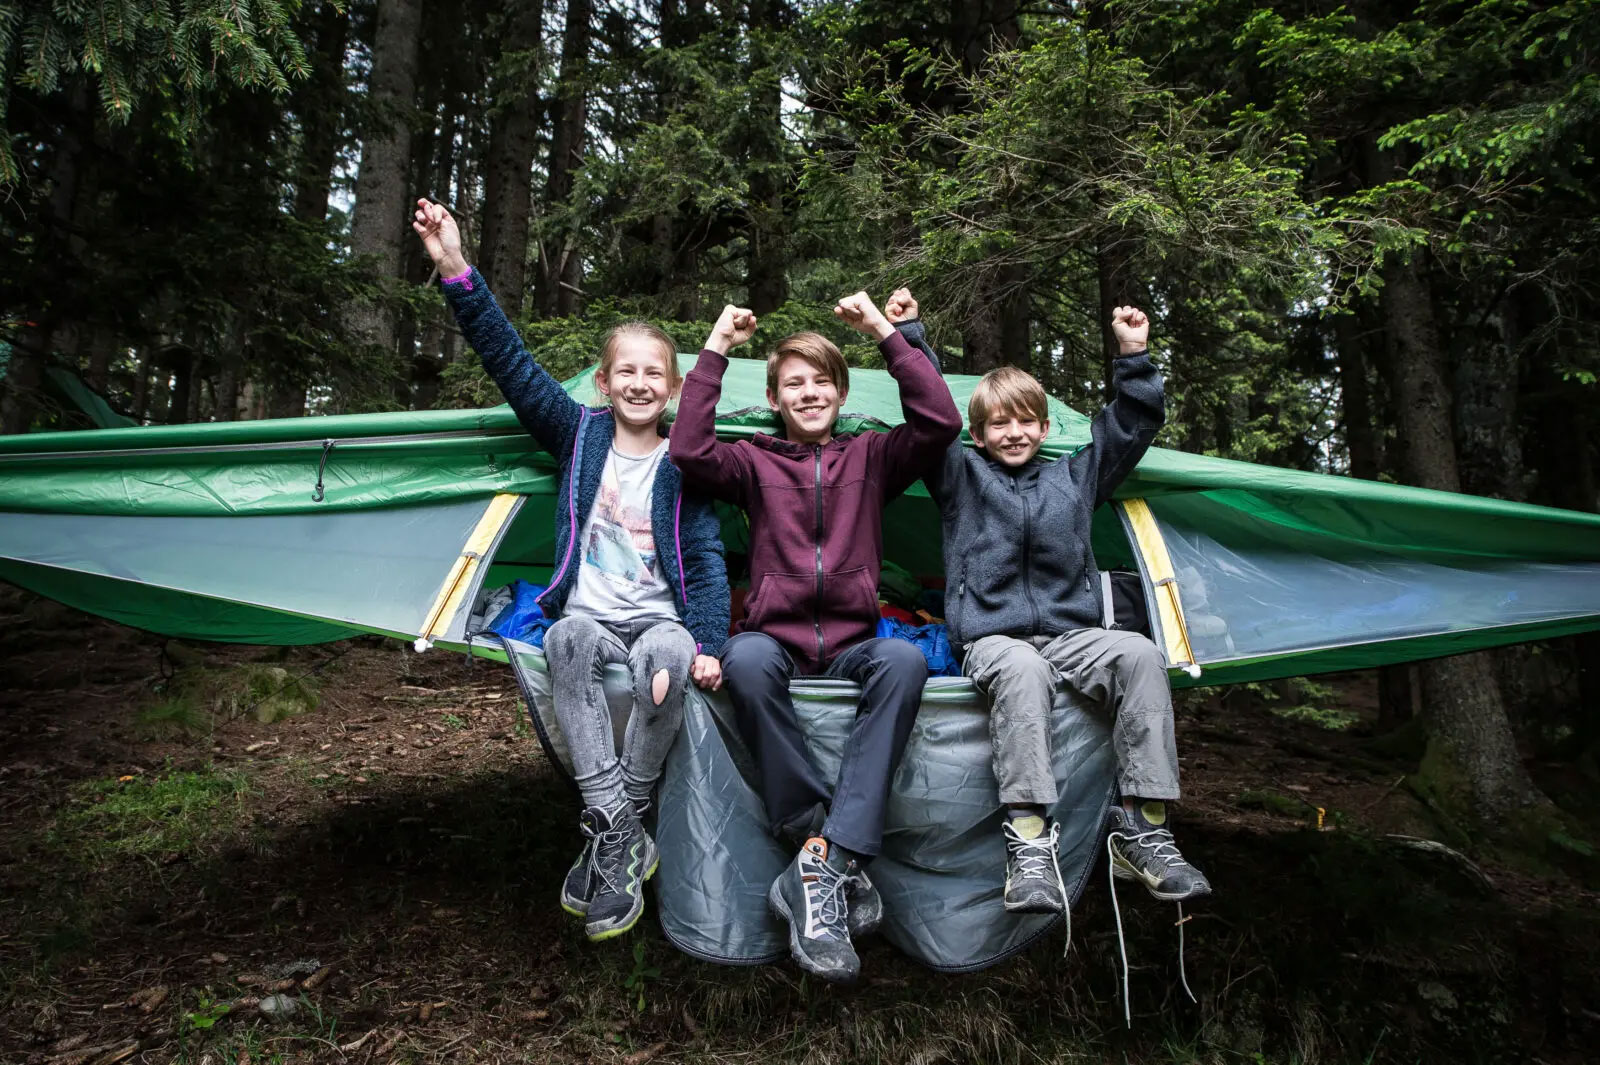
<point>660,685</point>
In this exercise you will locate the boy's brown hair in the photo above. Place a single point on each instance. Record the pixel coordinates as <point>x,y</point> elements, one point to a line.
<point>1006,390</point>
<point>818,352</point>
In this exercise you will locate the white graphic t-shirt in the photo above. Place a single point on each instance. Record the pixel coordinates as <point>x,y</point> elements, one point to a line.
<point>619,576</point>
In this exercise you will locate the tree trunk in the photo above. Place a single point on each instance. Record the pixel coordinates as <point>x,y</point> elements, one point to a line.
<point>560,266</point>
<point>1115,289</point>
<point>1471,767</point>
<point>1351,342</point>
<point>1487,436</point>
<point>508,171</point>
<point>380,224</point>
<point>767,259</point>
<point>319,103</point>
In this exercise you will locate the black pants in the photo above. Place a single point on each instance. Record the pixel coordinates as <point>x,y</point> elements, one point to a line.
<point>757,671</point>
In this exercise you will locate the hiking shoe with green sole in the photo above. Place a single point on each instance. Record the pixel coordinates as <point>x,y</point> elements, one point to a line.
<point>1142,849</point>
<point>624,857</point>
<point>578,888</point>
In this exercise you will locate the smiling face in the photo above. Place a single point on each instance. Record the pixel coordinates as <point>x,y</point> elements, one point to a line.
<point>807,399</point>
<point>1009,415</point>
<point>1012,437</point>
<point>637,373</point>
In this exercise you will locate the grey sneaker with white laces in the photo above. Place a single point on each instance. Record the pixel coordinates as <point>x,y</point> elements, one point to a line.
<point>813,897</point>
<point>1033,876</point>
<point>1142,849</point>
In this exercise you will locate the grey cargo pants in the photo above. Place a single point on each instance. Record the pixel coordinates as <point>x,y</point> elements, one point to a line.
<point>1123,672</point>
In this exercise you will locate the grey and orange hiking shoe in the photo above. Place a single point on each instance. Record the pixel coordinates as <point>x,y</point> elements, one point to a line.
<point>1033,876</point>
<point>866,905</point>
<point>813,897</point>
<point>1142,849</point>
<point>623,857</point>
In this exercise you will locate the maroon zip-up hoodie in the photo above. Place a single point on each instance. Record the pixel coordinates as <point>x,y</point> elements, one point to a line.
<point>816,512</point>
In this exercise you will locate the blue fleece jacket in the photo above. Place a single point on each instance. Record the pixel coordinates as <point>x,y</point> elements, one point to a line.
<point>686,528</point>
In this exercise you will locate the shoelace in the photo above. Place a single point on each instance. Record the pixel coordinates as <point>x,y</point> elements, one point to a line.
<point>825,896</point>
<point>1034,867</point>
<point>610,857</point>
<point>1122,944</point>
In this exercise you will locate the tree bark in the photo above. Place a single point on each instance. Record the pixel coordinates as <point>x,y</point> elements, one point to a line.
<point>380,224</point>
<point>1487,434</point>
<point>320,107</point>
<point>767,259</point>
<point>560,267</point>
<point>508,171</point>
<point>1471,766</point>
<point>1115,289</point>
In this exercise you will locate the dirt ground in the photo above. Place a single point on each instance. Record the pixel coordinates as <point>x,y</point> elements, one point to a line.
<point>372,878</point>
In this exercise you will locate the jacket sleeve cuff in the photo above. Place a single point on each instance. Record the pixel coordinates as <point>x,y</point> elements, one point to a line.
<point>460,279</point>
<point>895,346</point>
<point>712,364</point>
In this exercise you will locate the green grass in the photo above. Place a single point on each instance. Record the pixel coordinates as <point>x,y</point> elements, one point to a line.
<point>173,813</point>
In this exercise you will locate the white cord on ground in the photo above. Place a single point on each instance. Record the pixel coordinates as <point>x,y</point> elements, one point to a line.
<point>1122,946</point>
<point>1182,973</point>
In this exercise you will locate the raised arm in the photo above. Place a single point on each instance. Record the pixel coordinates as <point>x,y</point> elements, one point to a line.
<point>902,311</point>
<point>1121,433</point>
<point>715,467</point>
<point>541,404</point>
<point>931,424</point>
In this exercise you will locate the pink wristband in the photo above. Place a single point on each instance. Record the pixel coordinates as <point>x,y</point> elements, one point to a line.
<point>462,278</point>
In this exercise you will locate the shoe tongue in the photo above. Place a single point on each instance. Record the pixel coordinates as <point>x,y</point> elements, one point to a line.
<point>1154,812</point>
<point>1029,827</point>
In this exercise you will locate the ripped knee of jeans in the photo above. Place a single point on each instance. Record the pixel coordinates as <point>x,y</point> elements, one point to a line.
<point>659,684</point>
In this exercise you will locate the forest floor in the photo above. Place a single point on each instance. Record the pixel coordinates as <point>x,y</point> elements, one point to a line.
<point>382,867</point>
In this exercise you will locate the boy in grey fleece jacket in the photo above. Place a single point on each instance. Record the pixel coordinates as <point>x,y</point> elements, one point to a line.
<point>1022,606</point>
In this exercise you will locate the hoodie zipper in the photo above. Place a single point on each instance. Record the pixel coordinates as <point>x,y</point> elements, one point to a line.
<point>1027,562</point>
<point>816,606</point>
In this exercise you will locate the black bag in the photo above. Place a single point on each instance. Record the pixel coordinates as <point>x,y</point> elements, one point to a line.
<point>1122,601</point>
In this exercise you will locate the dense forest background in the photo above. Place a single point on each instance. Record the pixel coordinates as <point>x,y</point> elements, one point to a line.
<point>1367,233</point>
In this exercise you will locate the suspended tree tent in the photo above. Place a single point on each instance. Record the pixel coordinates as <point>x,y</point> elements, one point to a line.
<point>312,529</point>
<point>212,531</point>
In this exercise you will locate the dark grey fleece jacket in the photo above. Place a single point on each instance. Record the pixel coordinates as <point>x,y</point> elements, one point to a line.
<point>1016,541</point>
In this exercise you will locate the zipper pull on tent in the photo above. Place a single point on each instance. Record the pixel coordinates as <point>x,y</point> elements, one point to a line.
<point>327,449</point>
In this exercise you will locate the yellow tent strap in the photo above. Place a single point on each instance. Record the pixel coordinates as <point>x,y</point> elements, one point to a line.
<point>1158,564</point>
<point>459,579</point>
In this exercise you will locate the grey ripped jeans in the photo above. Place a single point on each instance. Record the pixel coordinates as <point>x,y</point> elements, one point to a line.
<point>577,650</point>
<point>1123,672</point>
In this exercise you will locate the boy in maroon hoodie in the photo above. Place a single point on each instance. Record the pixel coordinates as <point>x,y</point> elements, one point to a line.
<point>815,502</point>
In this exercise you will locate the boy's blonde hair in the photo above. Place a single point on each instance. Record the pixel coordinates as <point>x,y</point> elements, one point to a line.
<point>1006,390</point>
<point>669,348</point>
<point>819,353</point>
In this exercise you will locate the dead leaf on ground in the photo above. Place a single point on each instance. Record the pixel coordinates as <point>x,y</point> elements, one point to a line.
<point>121,1053</point>
<point>639,1057</point>
<point>389,1044</point>
<point>424,1012</point>
<point>357,1044</point>
<point>316,979</point>
<point>533,1016</point>
<point>71,1042</point>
